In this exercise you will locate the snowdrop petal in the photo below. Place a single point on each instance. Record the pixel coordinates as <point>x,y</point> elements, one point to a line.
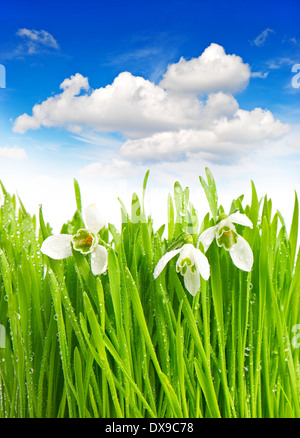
<point>57,247</point>
<point>164,260</point>
<point>93,219</point>
<point>99,260</point>
<point>207,237</point>
<point>241,219</point>
<point>186,251</point>
<point>241,254</point>
<point>192,281</point>
<point>202,264</point>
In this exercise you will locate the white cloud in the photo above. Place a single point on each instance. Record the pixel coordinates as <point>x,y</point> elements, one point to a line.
<point>226,140</point>
<point>259,74</point>
<point>114,169</point>
<point>72,86</point>
<point>137,107</point>
<point>213,71</point>
<point>131,105</point>
<point>13,153</point>
<point>31,42</point>
<point>168,121</point>
<point>25,122</point>
<point>98,140</point>
<point>219,105</point>
<point>280,62</point>
<point>249,127</point>
<point>262,37</point>
<point>37,38</point>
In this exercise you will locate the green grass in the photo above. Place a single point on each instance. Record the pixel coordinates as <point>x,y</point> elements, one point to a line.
<point>125,345</point>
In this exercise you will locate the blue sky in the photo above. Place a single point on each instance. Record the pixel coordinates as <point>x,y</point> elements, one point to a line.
<point>169,86</point>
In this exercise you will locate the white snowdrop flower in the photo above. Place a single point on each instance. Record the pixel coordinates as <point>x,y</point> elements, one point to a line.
<point>191,264</point>
<point>85,241</point>
<point>227,237</point>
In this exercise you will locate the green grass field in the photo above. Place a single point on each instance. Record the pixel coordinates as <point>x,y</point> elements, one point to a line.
<point>126,344</point>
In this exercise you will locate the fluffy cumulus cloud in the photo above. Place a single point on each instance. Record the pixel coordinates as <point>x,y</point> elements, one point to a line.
<point>192,112</point>
<point>225,140</point>
<point>213,71</point>
<point>131,105</point>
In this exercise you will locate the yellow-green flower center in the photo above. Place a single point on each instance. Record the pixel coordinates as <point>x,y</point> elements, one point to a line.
<point>84,241</point>
<point>226,237</point>
<point>184,264</point>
